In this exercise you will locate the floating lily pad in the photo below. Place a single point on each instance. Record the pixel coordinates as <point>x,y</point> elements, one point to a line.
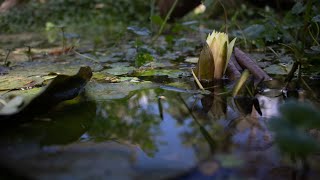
<point>10,82</point>
<point>119,69</point>
<point>27,94</point>
<point>278,69</point>
<point>69,67</point>
<point>171,73</point>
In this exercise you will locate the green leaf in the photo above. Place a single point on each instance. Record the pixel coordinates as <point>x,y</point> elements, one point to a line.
<point>298,8</point>
<point>156,19</point>
<point>230,49</point>
<point>225,57</point>
<point>301,114</point>
<point>143,58</point>
<point>205,67</point>
<point>240,83</point>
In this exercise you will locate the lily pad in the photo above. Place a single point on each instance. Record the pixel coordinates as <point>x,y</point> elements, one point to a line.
<point>119,69</point>
<point>10,82</point>
<point>278,69</point>
<point>171,73</point>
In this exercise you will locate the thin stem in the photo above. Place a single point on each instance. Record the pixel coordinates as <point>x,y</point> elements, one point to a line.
<point>225,16</point>
<point>87,57</point>
<point>152,5</point>
<point>63,39</point>
<point>7,56</point>
<point>165,20</point>
<point>318,30</point>
<point>313,38</point>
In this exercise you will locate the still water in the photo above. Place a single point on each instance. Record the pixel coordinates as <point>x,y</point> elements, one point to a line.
<point>150,134</point>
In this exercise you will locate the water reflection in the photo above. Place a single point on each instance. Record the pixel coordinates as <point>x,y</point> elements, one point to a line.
<point>154,132</point>
<point>137,120</point>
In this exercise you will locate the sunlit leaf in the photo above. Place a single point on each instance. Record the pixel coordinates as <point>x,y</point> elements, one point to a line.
<point>240,83</point>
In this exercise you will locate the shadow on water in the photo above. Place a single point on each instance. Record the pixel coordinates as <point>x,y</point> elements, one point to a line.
<point>150,134</point>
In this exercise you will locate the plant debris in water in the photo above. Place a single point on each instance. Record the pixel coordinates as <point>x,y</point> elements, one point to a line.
<point>61,88</point>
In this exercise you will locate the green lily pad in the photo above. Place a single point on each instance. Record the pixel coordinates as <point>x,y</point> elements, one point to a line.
<point>119,69</point>
<point>171,73</point>
<point>27,94</point>
<point>10,82</point>
<point>278,69</point>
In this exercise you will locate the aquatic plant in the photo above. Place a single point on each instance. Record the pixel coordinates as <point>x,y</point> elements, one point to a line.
<point>214,56</point>
<point>291,129</point>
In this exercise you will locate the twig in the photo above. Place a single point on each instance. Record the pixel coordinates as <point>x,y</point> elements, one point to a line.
<point>85,56</point>
<point>7,56</point>
<point>247,63</point>
<point>165,20</point>
<point>197,80</point>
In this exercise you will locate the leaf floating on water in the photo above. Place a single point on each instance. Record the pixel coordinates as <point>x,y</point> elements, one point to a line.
<point>62,88</point>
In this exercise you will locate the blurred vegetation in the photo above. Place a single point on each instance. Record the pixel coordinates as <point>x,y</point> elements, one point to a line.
<point>254,26</point>
<point>80,15</point>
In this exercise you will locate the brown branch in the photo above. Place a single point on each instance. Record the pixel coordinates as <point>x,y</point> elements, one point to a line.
<point>232,72</point>
<point>235,62</point>
<point>247,63</point>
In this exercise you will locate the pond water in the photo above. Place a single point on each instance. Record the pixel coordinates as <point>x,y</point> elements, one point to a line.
<point>149,124</point>
<point>153,133</point>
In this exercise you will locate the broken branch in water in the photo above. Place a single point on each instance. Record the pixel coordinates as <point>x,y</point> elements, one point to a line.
<point>247,63</point>
<point>235,62</point>
<point>232,71</point>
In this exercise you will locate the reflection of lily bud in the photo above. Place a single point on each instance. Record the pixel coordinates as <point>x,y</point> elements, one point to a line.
<point>214,57</point>
<point>215,105</point>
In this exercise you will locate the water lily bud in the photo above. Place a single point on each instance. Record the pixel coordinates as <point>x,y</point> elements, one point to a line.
<point>218,50</point>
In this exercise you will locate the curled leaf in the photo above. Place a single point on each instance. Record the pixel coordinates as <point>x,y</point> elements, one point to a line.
<point>61,88</point>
